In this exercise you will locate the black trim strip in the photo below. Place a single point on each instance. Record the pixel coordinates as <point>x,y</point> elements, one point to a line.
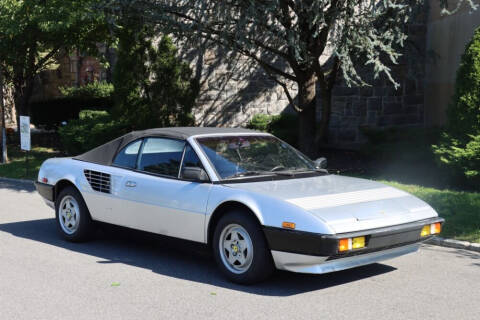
<point>47,191</point>
<point>317,244</point>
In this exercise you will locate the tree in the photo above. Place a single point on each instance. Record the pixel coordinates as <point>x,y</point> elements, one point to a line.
<point>153,87</point>
<point>33,33</point>
<point>459,148</point>
<point>307,42</point>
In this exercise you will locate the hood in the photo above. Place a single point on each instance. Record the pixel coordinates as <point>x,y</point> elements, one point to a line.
<point>346,204</point>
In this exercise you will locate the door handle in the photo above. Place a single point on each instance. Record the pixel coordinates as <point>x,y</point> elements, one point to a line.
<point>130,184</point>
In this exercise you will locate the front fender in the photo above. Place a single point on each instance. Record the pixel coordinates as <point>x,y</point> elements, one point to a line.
<point>270,211</point>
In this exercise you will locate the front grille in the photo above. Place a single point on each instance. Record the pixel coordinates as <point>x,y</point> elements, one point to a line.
<point>99,181</point>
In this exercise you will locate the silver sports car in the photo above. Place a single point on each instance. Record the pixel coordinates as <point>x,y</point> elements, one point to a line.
<point>256,201</point>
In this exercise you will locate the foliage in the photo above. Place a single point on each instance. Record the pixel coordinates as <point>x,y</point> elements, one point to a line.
<point>90,130</point>
<point>93,90</point>
<point>459,149</point>
<point>460,210</point>
<point>302,41</point>
<point>281,126</point>
<point>34,33</point>
<point>53,112</point>
<point>153,87</point>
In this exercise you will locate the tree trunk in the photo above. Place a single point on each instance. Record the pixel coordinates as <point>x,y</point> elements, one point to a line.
<point>307,116</point>
<point>3,132</point>
<point>23,93</point>
<point>321,136</point>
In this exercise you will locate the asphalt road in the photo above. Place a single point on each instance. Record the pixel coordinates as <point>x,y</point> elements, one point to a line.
<point>125,274</point>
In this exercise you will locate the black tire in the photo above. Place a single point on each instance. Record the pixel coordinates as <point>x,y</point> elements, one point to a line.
<point>261,266</point>
<point>85,228</point>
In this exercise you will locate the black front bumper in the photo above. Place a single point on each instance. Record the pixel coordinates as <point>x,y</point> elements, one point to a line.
<point>315,244</point>
<point>47,191</point>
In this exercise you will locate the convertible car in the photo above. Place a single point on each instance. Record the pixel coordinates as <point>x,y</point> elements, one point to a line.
<point>256,201</point>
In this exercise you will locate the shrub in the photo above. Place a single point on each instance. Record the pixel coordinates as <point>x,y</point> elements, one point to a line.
<point>283,126</point>
<point>459,148</point>
<point>90,130</point>
<point>153,86</point>
<point>51,113</point>
<point>94,90</point>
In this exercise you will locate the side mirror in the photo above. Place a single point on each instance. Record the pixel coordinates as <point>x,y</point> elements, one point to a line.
<point>321,163</point>
<point>195,174</point>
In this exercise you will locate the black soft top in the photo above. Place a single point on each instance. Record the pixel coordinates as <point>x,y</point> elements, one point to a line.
<point>104,154</point>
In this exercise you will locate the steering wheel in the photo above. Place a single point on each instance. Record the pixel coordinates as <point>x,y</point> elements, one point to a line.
<point>277,168</point>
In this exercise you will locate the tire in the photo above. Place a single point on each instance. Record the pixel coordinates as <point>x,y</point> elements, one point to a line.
<point>242,240</point>
<point>74,225</point>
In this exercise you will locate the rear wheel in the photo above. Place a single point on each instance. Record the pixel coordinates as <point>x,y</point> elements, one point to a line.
<point>73,219</point>
<point>240,248</point>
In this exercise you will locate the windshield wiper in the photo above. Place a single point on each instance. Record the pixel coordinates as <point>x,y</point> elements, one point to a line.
<point>250,173</point>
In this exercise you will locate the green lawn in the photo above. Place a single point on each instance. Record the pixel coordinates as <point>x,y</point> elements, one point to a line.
<point>16,166</point>
<point>461,210</point>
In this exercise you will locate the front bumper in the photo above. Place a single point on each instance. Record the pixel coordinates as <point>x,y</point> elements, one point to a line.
<point>318,253</point>
<point>47,191</point>
<point>313,264</point>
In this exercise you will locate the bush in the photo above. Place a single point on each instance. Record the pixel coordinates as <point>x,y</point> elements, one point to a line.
<point>459,148</point>
<point>90,130</point>
<point>51,113</point>
<point>284,126</point>
<point>94,90</point>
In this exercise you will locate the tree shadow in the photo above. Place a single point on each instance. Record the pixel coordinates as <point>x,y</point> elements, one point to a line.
<point>180,259</point>
<point>17,185</point>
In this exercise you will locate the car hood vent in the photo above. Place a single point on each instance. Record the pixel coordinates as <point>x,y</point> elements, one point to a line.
<point>99,181</point>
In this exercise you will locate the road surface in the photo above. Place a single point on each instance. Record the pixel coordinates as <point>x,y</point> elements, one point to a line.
<point>126,274</point>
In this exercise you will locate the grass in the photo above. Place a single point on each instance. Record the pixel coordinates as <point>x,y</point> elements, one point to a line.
<point>460,209</point>
<point>15,168</point>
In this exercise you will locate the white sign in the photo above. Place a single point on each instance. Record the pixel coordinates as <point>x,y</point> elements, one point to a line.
<point>25,133</point>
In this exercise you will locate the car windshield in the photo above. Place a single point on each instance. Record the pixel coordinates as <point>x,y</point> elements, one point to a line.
<point>251,155</point>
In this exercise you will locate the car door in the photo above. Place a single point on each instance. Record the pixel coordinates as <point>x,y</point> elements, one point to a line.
<point>103,183</point>
<point>154,196</point>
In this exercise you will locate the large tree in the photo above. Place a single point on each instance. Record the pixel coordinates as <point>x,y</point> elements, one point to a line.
<point>33,33</point>
<point>306,42</point>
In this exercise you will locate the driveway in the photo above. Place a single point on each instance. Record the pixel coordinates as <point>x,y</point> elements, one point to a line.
<point>125,274</point>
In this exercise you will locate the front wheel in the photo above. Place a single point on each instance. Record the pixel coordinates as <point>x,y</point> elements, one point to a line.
<point>240,248</point>
<point>73,219</point>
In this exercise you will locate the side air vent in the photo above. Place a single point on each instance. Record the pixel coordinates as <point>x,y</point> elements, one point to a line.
<point>98,181</point>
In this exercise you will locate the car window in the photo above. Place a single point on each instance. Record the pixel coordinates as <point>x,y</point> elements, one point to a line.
<point>190,159</point>
<point>161,156</point>
<point>127,157</point>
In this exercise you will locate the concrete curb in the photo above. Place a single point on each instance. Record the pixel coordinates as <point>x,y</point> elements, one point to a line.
<point>17,180</point>
<point>457,244</point>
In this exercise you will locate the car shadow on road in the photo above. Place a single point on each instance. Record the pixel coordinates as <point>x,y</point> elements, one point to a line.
<point>180,259</point>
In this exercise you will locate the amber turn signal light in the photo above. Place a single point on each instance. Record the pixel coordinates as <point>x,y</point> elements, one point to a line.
<point>288,225</point>
<point>435,228</point>
<point>344,244</point>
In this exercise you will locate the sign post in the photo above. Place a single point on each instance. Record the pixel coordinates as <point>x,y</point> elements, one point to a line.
<point>25,141</point>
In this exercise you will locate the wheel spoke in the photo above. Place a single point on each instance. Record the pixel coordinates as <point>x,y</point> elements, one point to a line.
<point>241,258</point>
<point>227,244</point>
<point>231,258</point>
<point>234,235</point>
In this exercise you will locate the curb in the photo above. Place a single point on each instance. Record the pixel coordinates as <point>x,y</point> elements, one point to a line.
<point>457,244</point>
<point>17,180</point>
